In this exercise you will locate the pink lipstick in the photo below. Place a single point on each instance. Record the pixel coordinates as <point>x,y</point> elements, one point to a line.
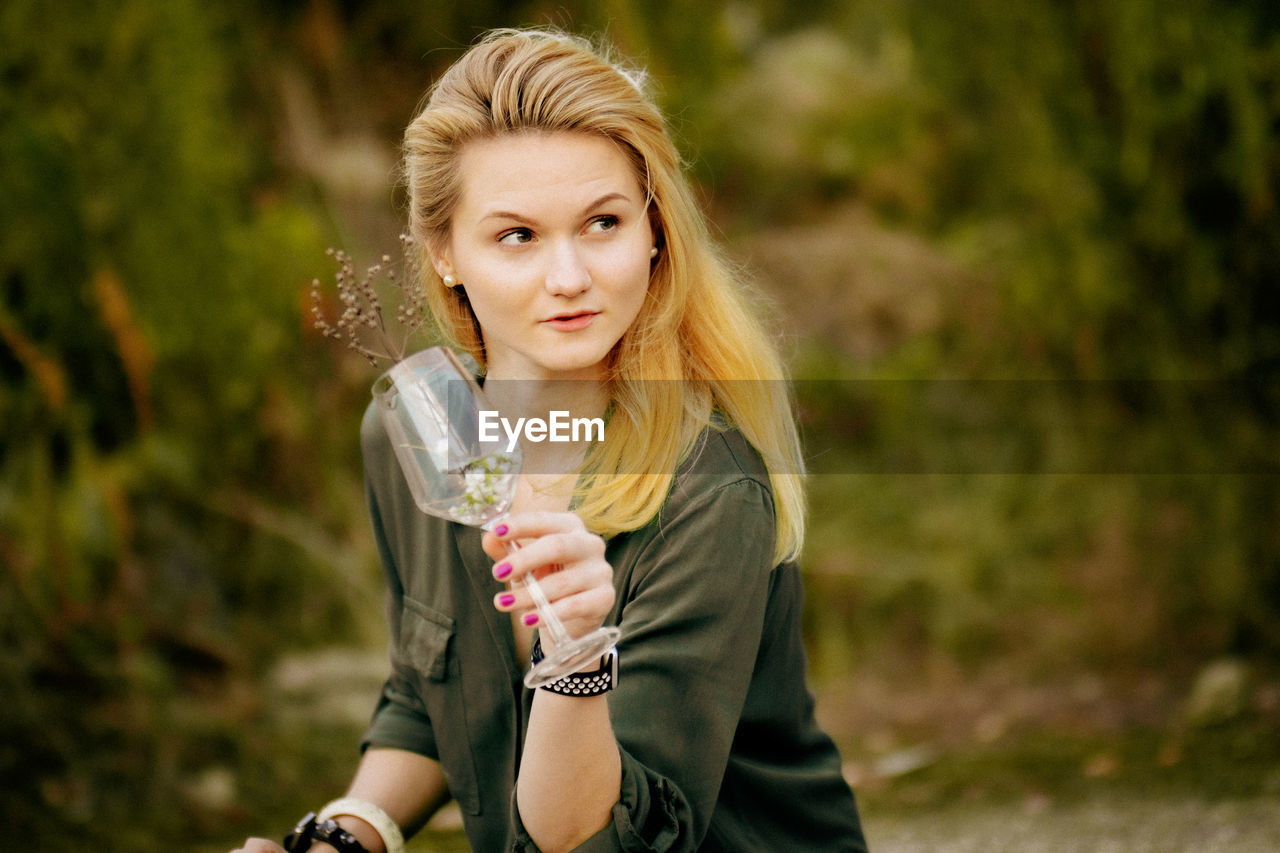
<point>572,322</point>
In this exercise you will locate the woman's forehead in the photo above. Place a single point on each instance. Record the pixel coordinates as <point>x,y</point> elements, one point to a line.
<point>525,172</point>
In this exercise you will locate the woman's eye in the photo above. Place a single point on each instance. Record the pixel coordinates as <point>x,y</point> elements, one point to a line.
<point>516,236</point>
<point>602,223</point>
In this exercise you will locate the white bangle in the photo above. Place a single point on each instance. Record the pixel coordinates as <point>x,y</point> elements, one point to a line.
<point>392,838</point>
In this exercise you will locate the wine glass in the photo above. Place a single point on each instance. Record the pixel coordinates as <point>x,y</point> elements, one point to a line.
<point>430,406</point>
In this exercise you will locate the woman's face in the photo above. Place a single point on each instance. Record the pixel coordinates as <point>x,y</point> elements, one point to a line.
<point>551,239</point>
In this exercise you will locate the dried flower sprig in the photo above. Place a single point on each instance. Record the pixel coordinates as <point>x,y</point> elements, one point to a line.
<point>362,324</point>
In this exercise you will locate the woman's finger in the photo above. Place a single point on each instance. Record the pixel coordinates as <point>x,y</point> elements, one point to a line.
<point>581,578</point>
<point>259,845</point>
<point>554,549</point>
<point>580,612</point>
<point>528,525</point>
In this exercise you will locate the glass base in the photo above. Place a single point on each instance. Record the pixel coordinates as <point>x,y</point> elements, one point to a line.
<point>572,656</point>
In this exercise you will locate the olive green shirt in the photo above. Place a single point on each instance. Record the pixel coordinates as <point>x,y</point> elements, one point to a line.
<point>714,723</point>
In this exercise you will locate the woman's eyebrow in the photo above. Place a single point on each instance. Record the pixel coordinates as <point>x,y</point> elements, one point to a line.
<point>505,214</point>
<point>605,199</point>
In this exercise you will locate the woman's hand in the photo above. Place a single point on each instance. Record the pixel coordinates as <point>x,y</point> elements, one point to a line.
<point>259,845</point>
<point>568,561</point>
<point>262,845</point>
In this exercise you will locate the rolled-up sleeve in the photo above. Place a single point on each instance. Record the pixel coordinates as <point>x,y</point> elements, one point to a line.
<point>691,627</point>
<point>399,723</point>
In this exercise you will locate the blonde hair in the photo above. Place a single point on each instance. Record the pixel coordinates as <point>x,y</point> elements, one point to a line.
<point>694,326</point>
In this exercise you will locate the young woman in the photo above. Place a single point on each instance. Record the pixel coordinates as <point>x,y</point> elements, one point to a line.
<point>561,242</point>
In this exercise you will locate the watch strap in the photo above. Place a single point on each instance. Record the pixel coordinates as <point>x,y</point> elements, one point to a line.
<point>299,838</point>
<point>582,684</point>
<point>312,829</point>
<point>336,837</point>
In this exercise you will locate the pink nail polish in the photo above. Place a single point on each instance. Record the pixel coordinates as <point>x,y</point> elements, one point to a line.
<point>531,619</point>
<point>501,570</point>
<point>506,600</point>
<point>500,530</point>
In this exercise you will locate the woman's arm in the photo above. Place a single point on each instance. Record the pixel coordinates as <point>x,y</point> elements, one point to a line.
<point>570,771</point>
<point>699,584</point>
<point>407,786</point>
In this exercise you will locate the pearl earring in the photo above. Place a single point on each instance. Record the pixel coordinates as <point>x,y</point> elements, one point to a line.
<point>653,253</point>
<point>450,281</point>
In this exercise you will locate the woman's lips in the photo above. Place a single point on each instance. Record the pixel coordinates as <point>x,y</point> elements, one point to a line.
<point>572,322</point>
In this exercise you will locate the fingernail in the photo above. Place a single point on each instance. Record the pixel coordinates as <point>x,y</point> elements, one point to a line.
<point>531,619</point>
<point>500,530</point>
<point>506,600</point>
<point>501,570</point>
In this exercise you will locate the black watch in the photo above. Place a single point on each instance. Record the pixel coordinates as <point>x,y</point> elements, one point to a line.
<point>309,831</point>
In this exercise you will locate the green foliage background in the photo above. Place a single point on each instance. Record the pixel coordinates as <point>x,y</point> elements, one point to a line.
<point>1079,193</point>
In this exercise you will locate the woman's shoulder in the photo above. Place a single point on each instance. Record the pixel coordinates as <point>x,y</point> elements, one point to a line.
<point>375,444</point>
<point>720,501</point>
<point>720,457</point>
<point>381,469</point>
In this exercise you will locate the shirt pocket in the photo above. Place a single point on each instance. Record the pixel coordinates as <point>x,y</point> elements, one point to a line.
<point>424,639</point>
<point>426,647</point>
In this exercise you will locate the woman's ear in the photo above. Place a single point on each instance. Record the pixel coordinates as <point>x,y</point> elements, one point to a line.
<point>437,250</point>
<point>440,253</point>
<point>441,264</point>
<point>655,227</point>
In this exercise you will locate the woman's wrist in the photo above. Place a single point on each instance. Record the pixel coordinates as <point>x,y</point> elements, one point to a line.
<point>364,832</point>
<point>597,677</point>
<point>361,830</point>
<point>369,818</point>
<point>321,847</point>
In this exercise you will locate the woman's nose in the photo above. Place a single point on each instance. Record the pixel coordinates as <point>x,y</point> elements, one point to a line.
<point>567,273</point>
